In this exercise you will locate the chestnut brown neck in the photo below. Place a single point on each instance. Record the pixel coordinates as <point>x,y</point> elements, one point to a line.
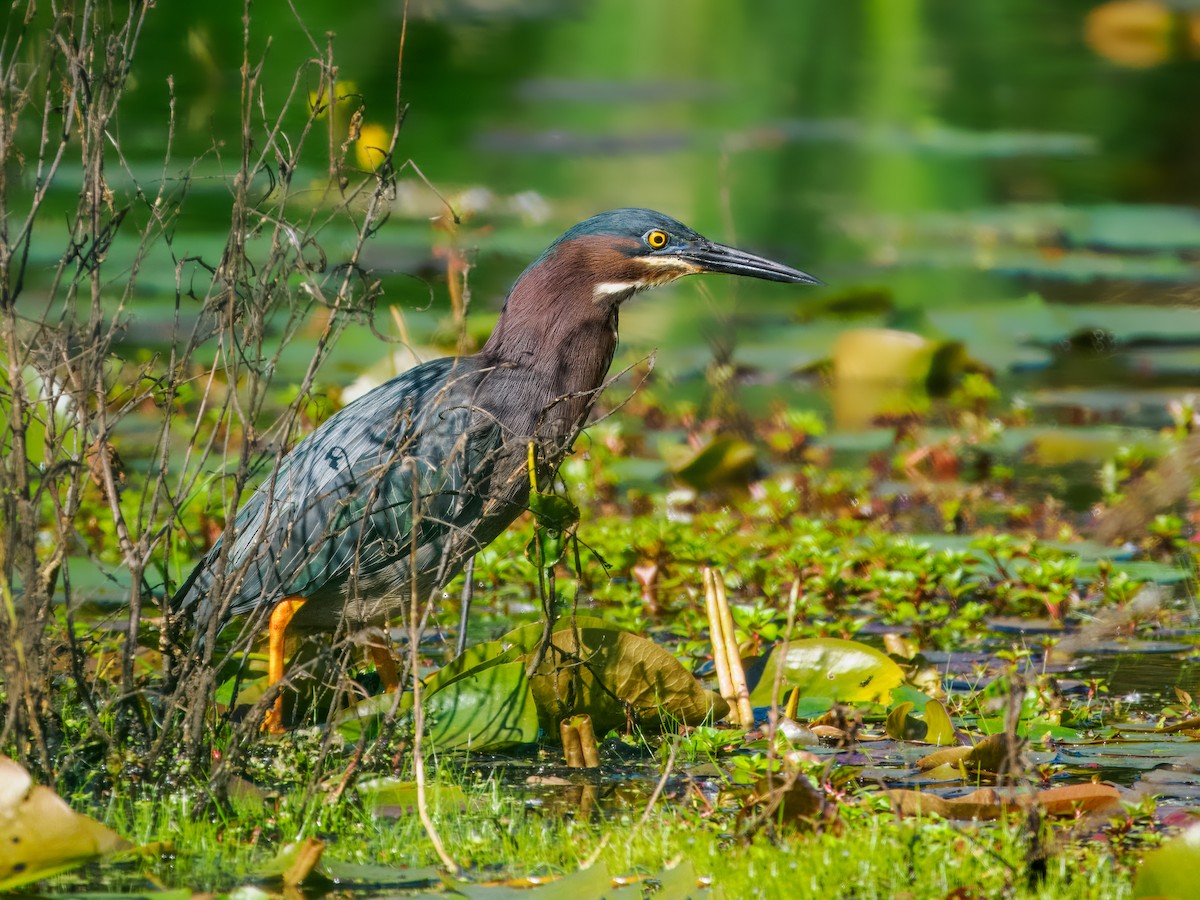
<point>557,335</point>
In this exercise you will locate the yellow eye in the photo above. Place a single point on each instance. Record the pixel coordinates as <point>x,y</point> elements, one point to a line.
<point>657,239</point>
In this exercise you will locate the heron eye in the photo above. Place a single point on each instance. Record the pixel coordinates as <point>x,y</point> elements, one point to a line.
<point>657,239</point>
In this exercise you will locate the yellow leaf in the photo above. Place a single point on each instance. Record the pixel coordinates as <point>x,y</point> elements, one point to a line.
<point>40,834</point>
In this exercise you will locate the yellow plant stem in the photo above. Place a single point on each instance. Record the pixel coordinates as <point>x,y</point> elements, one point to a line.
<point>733,653</point>
<point>720,649</point>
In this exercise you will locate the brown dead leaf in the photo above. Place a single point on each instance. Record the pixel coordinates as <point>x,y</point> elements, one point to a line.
<point>830,732</point>
<point>984,804</point>
<point>947,756</point>
<point>1077,798</point>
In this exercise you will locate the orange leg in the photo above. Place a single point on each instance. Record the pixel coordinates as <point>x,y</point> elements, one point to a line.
<point>281,617</point>
<point>384,664</point>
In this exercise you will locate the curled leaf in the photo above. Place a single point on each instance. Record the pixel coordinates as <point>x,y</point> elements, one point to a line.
<point>612,676</point>
<point>40,834</point>
<point>983,805</point>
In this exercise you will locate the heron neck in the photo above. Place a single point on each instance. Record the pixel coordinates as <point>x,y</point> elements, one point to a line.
<point>559,341</point>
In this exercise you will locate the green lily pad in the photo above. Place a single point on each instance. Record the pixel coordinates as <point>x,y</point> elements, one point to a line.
<point>360,875</point>
<point>722,462</point>
<point>528,636</point>
<point>471,661</point>
<point>488,709</point>
<point>593,882</point>
<point>389,793</point>
<point>882,354</point>
<point>829,668</point>
<point>1134,753</point>
<point>1169,872</point>
<point>511,646</point>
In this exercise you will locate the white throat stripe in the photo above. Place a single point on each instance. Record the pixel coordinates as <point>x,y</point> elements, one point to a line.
<point>608,288</point>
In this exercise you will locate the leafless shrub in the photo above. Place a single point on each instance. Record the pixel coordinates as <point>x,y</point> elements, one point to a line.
<point>67,395</point>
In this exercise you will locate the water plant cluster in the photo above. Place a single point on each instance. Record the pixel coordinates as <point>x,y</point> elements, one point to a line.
<point>950,655</point>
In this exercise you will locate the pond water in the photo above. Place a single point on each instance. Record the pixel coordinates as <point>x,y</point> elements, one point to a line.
<point>978,172</point>
<point>995,174</point>
<point>988,173</point>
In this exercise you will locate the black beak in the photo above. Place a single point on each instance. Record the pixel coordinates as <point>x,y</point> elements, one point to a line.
<point>712,257</point>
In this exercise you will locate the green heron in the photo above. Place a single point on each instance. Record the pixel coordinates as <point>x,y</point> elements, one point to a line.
<point>392,496</point>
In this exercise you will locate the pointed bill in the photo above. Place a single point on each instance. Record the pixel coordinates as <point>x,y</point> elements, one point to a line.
<point>713,257</point>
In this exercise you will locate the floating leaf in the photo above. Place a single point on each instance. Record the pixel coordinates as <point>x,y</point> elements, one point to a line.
<point>393,797</point>
<point>794,801</point>
<point>722,462</point>
<point>471,661</point>
<point>40,834</point>
<point>529,636</point>
<point>988,803</point>
<point>984,804</point>
<point>1133,753</point>
<point>679,883</point>
<point>1170,871</point>
<point>294,862</point>
<point>947,756</point>
<point>830,669</point>
<point>1031,729</point>
<point>995,753</point>
<point>1076,798</point>
<point>991,755</point>
<point>489,709</point>
<point>593,882</point>
<point>937,720</point>
<point>903,727</point>
<point>934,728</point>
<point>882,355</point>
<point>607,671</point>
<point>301,862</point>
<point>360,875</point>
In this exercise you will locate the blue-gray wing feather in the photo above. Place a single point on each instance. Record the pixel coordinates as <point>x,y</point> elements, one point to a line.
<point>341,504</point>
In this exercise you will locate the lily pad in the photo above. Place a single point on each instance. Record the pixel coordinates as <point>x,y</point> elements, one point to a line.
<point>608,673</point>
<point>1170,871</point>
<point>40,834</point>
<point>594,882</point>
<point>511,646</point>
<point>470,662</point>
<point>489,709</point>
<point>982,805</point>
<point>831,669</point>
<point>393,796</point>
<point>722,462</point>
<point>934,728</point>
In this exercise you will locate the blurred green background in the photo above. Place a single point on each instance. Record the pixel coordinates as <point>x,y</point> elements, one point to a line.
<point>1017,175</point>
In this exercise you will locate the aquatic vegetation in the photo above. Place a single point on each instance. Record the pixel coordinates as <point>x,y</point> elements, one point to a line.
<point>890,593</point>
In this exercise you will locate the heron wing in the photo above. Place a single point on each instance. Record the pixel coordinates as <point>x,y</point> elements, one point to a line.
<point>342,504</point>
